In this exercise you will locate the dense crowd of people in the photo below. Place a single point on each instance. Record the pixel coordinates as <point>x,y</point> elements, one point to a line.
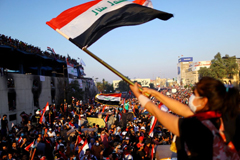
<point>66,133</point>
<point>23,46</point>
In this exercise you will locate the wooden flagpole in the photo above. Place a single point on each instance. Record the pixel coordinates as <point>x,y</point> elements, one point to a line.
<point>33,154</point>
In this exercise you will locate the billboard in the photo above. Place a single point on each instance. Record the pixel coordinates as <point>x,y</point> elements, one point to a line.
<point>185,59</point>
<point>71,70</point>
<point>144,82</point>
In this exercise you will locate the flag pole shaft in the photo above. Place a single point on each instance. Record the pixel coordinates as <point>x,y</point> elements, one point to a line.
<point>111,68</point>
<point>33,154</point>
<point>108,66</point>
<point>98,59</point>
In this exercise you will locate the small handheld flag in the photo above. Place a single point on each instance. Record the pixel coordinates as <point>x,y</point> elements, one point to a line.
<point>19,140</point>
<point>42,119</point>
<point>29,146</point>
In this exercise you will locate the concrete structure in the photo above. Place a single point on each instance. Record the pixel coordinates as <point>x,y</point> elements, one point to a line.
<point>19,92</point>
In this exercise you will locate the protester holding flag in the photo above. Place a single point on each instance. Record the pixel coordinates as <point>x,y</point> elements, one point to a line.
<point>211,107</point>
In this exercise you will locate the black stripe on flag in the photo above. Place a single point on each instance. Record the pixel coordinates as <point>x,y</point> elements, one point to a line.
<point>110,103</point>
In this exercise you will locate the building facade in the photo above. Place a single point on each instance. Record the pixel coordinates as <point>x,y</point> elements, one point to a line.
<point>184,75</point>
<point>188,70</point>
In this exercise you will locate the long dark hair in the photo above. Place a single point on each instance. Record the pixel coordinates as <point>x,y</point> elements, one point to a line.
<point>221,98</point>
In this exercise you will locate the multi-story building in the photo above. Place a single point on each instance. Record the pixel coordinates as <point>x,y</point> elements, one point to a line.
<point>184,76</point>
<point>188,70</point>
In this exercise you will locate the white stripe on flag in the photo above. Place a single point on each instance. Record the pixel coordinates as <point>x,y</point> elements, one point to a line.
<point>89,17</point>
<point>108,98</point>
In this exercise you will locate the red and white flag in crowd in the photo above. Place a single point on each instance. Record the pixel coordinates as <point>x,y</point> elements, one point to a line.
<point>29,146</point>
<point>99,17</point>
<point>123,101</point>
<point>103,108</point>
<point>120,116</point>
<point>71,125</point>
<point>79,140</point>
<point>153,123</point>
<point>79,120</point>
<point>85,146</point>
<point>19,140</point>
<point>106,118</point>
<point>43,158</point>
<point>46,108</point>
<point>152,152</point>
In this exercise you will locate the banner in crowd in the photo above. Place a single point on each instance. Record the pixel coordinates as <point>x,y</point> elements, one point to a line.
<point>72,72</point>
<point>99,17</point>
<point>98,121</point>
<point>108,99</point>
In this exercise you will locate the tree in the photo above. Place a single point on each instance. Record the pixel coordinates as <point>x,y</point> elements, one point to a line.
<point>152,86</point>
<point>204,71</point>
<point>231,65</point>
<point>104,87</point>
<point>109,88</point>
<point>220,67</point>
<point>123,86</point>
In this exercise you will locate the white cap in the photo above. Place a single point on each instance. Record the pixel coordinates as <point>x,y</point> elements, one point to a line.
<point>124,133</point>
<point>143,128</point>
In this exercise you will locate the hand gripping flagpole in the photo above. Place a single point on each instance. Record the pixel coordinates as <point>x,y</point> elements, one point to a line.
<point>100,60</point>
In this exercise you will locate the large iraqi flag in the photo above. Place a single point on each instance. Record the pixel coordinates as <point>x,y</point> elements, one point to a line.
<point>109,99</point>
<point>86,23</point>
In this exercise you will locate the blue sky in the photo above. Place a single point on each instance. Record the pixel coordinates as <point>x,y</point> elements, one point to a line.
<point>199,29</point>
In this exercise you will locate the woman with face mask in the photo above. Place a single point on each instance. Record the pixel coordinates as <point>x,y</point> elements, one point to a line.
<point>210,124</point>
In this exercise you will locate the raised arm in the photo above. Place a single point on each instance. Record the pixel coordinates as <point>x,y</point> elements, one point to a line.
<point>175,106</point>
<point>166,119</point>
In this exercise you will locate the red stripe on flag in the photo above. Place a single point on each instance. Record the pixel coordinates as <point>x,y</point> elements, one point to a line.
<point>42,119</point>
<point>68,15</point>
<point>104,108</point>
<point>112,94</point>
<point>29,146</point>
